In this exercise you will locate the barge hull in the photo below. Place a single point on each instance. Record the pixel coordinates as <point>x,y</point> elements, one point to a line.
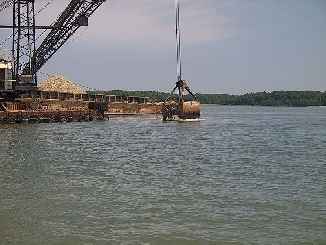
<point>43,106</point>
<point>50,116</point>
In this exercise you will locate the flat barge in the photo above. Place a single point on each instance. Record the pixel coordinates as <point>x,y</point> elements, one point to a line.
<point>44,106</point>
<point>57,100</point>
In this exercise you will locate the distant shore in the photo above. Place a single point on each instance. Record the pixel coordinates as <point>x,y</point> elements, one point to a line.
<point>275,98</point>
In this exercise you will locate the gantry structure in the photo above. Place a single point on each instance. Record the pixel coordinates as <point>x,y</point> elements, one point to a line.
<point>27,58</point>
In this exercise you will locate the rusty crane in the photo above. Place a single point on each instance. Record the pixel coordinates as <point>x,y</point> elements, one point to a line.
<point>27,58</point>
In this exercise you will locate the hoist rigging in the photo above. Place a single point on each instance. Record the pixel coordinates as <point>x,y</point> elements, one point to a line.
<point>180,110</point>
<point>73,17</point>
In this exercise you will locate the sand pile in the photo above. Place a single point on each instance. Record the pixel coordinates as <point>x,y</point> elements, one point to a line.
<point>60,84</point>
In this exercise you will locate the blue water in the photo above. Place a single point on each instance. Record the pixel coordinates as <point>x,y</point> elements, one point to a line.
<point>242,175</point>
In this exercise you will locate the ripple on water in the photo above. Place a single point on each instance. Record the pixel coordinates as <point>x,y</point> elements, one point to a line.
<point>243,175</point>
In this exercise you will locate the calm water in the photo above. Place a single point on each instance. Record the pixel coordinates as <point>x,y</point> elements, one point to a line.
<point>243,175</point>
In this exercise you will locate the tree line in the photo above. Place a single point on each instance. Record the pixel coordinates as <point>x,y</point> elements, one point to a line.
<point>275,98</point>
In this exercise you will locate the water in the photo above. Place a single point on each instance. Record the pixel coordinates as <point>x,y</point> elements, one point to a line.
<point>243,175</point>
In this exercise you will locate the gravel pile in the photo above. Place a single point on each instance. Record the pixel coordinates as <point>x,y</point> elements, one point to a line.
<point>60,84</point>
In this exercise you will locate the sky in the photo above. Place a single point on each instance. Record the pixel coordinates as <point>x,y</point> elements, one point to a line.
<point>227,46</point>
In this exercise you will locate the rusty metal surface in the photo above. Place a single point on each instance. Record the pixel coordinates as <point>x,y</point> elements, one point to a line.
<point>172,111</point>
<point>46,116</point>
<point>123,108</point>
<point>191,110</point>
<point>56,110</point>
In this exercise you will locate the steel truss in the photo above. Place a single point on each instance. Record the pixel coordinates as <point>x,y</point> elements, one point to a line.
<point>27,59</point>
<point>5,4</point>
<point>75,15</point>
<point>24,42</point>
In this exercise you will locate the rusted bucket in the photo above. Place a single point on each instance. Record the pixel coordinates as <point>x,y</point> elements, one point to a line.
<point>172,111</point>
<point>190,110</point>
<point>169,110</point>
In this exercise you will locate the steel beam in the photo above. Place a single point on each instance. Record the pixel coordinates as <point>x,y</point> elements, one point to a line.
<point>74,16</point>
<point>24,42</point>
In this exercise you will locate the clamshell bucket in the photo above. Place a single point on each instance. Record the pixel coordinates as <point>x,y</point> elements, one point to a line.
<point>190,110</point>
<point>180,110</point>
<point>173,111</point>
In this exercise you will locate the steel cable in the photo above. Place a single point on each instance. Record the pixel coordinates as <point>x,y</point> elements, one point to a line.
<point>11,1</point>
<point>178,41</point>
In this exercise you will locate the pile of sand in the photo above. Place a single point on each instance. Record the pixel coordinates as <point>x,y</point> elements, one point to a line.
<point>60,84</point>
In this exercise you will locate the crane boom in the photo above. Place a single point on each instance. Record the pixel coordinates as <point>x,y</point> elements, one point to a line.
<point>74,16</point>
<point>5,4</point>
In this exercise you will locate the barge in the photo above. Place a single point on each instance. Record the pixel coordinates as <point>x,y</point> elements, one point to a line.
<point>42,106</point>
<point>19,103</point>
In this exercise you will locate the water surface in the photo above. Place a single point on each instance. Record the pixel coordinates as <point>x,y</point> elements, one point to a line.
<point>242,175</point>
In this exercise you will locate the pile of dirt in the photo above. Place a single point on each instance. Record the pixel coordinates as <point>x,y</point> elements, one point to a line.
<point>60,84</point>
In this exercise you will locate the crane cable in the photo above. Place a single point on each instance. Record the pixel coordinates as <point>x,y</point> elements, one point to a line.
<point>178,39</point>
<point>34,15</point>
<point>44,7</point>
<point>5,4</point>
<point>76,36</point>
<point>88,88</point>
<point>6,40</point>
<point>54,22</point>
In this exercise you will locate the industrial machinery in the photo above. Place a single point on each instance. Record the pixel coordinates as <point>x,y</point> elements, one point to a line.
<point>178,109</point>
<point>27,59</point>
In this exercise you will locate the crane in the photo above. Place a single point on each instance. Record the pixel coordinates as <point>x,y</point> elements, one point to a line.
<point>74,16</point>
<point>27,58</point>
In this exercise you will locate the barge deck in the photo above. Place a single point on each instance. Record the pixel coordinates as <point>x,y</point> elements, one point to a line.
<point>42,106</point>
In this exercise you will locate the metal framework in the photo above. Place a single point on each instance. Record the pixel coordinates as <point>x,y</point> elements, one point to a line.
<point>75,15</point>
<point>5,4</point>
<point>24,42</point>
<point>27,59</point>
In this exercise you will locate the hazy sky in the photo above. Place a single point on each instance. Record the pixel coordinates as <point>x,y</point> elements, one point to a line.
<point>228,46</point>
